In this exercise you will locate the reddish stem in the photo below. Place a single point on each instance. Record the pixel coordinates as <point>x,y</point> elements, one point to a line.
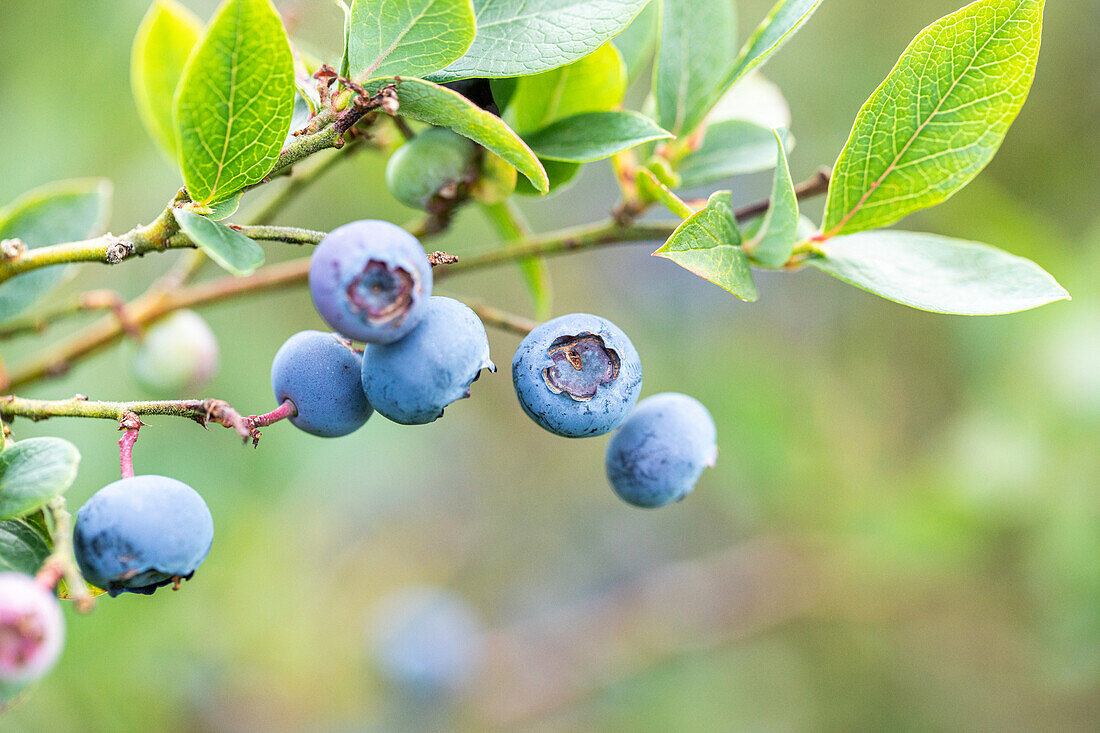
<point>282,412</point>
<point>126,452</point>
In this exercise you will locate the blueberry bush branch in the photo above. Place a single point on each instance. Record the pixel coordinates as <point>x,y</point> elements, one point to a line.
<point>609,232</point>
<point>137,242</point>
<point>470,121</point>
<point>161,236</point>
<point>155,304</point>
<point>503,320</point>
<point>203,411</point>
<point>161,301</point>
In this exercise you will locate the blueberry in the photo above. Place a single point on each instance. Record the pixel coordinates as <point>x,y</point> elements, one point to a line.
<point>411,381</point>
<point>31,632</point>
<point>659,453</point>
<point>427,640</point>
<point>139,533</point>
<point>319,373</point>
<point>178,355</point>
<point>577,375</point>
<point>369,280</point>
<point>435,163</point>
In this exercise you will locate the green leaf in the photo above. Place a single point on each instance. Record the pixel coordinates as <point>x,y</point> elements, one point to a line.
<point>784,20</point>
<point>223,209</point>
<point>939,274</point>
<point>520,37</point>
<point>503,91</point>
<point>806,229</point>
<point>774,241</point>
<point>427,102</point>
<point>345,62</point>
<point>594,135</point>
<point>22,549</point>
<point>229,248</point>
<point>698,41</point>
<point>407,37</point>
<point>235,101</point>
<point>32,472</point>
<point>708,244</point>
<point>63,590</point>
<point>637,43</point>
<point>58,212</point>
<point>730,148</point>
<point>939,116</point>
<point>38,522</point>
<point>164,41</point>
<point>595,83</point>
<point>694,82</point>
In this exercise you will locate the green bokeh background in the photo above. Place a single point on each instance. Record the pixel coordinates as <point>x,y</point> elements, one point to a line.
<point>906,506</point>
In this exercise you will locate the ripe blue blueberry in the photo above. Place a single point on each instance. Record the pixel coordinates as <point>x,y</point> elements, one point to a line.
<point>370,280</point>
<point>427,640</point>
<point>435,163</point>
<point>31,632</point>
<point>657,456</point>
<point>142,532</point>
<point>319,373</point>
<point>577,375</point>
<point>178,355</point>
<point>411,381</point>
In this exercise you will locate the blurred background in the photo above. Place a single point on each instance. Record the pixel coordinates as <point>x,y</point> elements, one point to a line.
<point>902,532</point>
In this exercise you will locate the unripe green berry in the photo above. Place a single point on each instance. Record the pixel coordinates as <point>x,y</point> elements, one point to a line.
<point>435,162</point>
<point>178,355</point>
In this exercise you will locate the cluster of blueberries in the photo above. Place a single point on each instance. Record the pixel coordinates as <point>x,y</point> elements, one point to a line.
<point>576,376</point>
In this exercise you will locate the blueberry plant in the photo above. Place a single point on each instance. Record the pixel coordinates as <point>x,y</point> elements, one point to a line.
<point>476,102</point>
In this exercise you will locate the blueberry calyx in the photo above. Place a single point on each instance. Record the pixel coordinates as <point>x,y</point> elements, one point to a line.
<point>581,364</point>
<point>384,294</point>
